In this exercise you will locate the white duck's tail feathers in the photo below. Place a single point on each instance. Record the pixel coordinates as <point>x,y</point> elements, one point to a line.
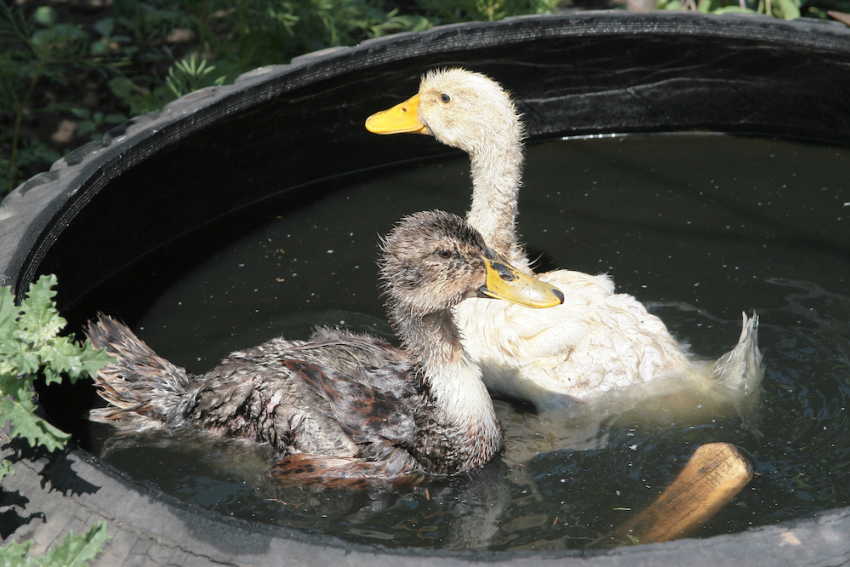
<point>742,368</point>
<point>144,390</point>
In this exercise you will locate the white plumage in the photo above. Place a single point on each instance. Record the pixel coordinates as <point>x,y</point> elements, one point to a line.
<point>598,345</point>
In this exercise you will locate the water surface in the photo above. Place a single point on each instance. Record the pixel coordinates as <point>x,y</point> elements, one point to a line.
<point>698,227</point>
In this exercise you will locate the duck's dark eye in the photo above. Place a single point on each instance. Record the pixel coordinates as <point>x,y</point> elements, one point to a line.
<point>445,98</point>
<point>444,254</point>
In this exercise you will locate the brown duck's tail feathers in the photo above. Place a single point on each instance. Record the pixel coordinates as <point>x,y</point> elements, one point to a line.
<point>144,391</point>
<point>742,368</point>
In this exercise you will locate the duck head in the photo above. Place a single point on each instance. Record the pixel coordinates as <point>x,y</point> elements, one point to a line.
<point>434,260</point>
<point>458,107</point>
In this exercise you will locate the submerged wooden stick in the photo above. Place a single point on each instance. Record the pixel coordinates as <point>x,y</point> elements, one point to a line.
<point>715,473</point>
<point>840,16</point>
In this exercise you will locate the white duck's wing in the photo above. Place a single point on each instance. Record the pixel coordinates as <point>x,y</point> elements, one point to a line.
<point>595,342</point>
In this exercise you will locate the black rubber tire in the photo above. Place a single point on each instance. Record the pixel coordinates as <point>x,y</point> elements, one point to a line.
<point>783,78</point>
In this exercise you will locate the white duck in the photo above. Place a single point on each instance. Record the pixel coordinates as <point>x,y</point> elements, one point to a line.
<point>597,343</point>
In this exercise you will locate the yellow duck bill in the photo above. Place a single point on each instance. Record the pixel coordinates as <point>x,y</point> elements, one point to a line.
<point>507,283</point>
<point>401,119</point>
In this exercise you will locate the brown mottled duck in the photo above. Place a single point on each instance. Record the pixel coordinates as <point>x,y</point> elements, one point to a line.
<point>344,409</point>
<point>598,342</point>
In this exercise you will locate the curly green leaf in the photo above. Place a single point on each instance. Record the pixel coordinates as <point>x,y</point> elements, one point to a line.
<point>25,424</point>
<point>15,554</point>
<point>77,551</point>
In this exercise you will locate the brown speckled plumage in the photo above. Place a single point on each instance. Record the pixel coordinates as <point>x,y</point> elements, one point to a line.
<point>341,409</point>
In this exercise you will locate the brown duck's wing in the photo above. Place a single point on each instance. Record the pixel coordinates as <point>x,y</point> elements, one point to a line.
<point>236,401</point>
<point>270,404</point>
<point>378,418</point>
<point>255,394</point>
<point>398,473</point>
<point>333,347</point>
<point>342,348</point>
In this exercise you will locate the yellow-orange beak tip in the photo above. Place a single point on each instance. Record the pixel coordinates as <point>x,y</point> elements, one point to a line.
<point>401,119</point>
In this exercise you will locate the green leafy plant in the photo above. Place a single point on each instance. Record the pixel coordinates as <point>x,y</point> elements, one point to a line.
<point>74,551</point>
<point>31,154</point>
<point>453,11</point>
<point>35,49</point>
<point>785,9</point>
<point>93,123</point>
<point>30,345</point>
<point>261,32</point>
<point>110,41</point>
<point>188,76</point>
<point>150,21</point>
<point>138,98</point>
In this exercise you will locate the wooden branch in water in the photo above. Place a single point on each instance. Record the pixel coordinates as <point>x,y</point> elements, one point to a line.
<point>715,473</point>
<point>840,16</point>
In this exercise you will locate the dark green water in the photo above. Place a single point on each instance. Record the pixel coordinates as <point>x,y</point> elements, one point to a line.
<point>698,227</point>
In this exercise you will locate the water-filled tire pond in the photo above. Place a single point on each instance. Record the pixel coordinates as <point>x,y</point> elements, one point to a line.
<point>243,214</point>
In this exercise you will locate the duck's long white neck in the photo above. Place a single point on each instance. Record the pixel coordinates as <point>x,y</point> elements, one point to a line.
<point>496,178</point>
<point>455,384</point>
